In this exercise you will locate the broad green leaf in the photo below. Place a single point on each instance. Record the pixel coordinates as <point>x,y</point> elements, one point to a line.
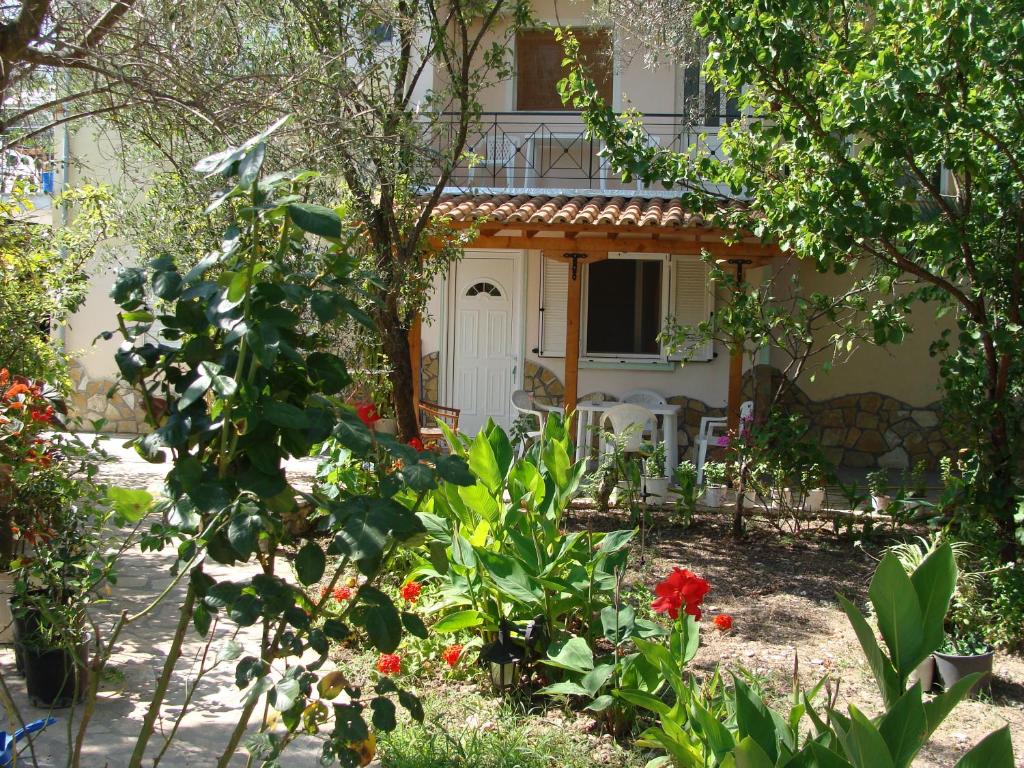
<point>456,622</point>
<point>615,540</point>
<point>994,751</point>
<point>310,563</point>
<point>573,654</point>
<point>315,219</point>
<point>642,699</point>
<point>414,625</point>
<point>595,679</point>
<point>194,391</point>
<point>881,667</point>
<point>286,693</point>
<point>617,625</point>
<point>564,688</point>
<point>753,719</point>
<point>904,727</point>
<point>749,754</point>
<point>379,618</point>
<point>129,504</point>
<point>938,708</point>
<point>864,744</point>
<point>483,463</point>
<point>383,714</point>
<point>934,581</point>
<point>510,577</point>
<point>899,614</point>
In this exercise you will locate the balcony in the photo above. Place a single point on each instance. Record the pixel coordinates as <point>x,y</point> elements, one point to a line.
<point>551,151</point>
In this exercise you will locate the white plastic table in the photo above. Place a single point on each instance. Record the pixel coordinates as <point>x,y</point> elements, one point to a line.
<point>588,418</point>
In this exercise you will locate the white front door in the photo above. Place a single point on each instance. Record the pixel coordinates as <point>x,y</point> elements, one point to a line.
<point>485,337</point>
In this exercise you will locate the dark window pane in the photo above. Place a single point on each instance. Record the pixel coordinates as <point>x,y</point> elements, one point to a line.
<point>712,104</point>
<point>624,307</point>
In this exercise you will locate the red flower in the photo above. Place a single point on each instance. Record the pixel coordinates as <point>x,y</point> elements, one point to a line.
<point>723,621</point>
<point>411,590</point>
<point>389,664</point>
<point>341,593</point>
<point>367,413</point>
<point>680,589</point>
<point>451,654</point>
<point>44,416</point>
<point>417,444</point>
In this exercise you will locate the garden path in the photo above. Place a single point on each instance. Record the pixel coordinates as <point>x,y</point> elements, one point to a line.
<point>136,665</point>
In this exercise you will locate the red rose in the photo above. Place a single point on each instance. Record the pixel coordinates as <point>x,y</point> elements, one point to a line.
<point>341,593</point>
<point>681,589</point>
<point>367,413</point>
<point>389,664</point>
<point>451,655</point>
<point>411,590</point>
<point>723,621</point>
<point>417,444</point>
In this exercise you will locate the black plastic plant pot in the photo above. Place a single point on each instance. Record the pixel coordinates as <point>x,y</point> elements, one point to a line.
<point>54,677</point>
<point>952,668</point>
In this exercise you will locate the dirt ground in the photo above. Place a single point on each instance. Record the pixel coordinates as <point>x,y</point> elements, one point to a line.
<point>780,591</point>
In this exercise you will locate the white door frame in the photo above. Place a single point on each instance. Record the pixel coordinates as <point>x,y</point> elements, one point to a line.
<point>446,361</point>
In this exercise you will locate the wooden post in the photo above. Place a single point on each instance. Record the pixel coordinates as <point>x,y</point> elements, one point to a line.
<point>572,341</point>
<point>416,356</point>
<point>732,408</point>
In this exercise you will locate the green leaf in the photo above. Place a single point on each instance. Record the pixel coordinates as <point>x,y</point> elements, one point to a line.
<point>601,703</point>
<point>286,693</point>
<point>328,371</point>
<point>510,577</point>
<point>573,654</point>
<point>749,754</point>
<point>754,720</point>
<point>483,463</point>
<point>383,714</point>
<point>455,470</point>
<point>412,705</point>
<point>310,563</point>
<point>201,619</point>
<point>617,625</point>
<point>994,751</point>
<point>934,581</point>
<point>243,530</point>
<point>130,504</point>
<point>881,668</point>
<point>455,622</point>
<point>418,477</point>
<point>615,540</point>
<point>285,415</point>
<point>904,726</point>
<point>414,625</point>
<point>379,617</point>
<point>864,744</point>
<point>316,219</point>
<point>194,391</point>
<point>644,700</point>
<point>899,614</point>
<point>564,688</point>
<point>940,706</point>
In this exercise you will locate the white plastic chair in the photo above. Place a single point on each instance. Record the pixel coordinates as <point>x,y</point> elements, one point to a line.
<point>526,405</point>
<point>712,432</point>
<point>499,152</point>
<point>622,417</point>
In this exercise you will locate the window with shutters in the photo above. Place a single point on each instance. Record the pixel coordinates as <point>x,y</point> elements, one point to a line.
<point>627,301</point>
<point>539,67</point>
<point>702,104</point>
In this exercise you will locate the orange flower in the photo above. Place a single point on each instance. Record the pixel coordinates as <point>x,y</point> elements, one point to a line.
<point>5,376</point>
<point>17,389</point>
<point>723,621</point>
<point>451,654</point>
<point>411,590</point>
<point>389,664</point>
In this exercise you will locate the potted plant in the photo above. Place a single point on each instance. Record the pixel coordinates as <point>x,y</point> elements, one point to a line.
<point>781,493</point>
<point>58,580</point>
<point>812,480</point>
<point>964,652</point>
<point>655,481</point>
<point>715,473</point>
<point>29,410</point>
<point>878,484</point>
<point>685,479</point>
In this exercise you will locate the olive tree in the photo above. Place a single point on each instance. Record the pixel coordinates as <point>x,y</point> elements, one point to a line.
<point>884,136</point>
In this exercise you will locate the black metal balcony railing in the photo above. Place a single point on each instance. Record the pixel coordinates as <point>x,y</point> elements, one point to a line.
<point>551,150</point>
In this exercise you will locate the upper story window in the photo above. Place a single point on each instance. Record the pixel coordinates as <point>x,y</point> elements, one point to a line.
<point>702,104</point>
<point>539,67</point>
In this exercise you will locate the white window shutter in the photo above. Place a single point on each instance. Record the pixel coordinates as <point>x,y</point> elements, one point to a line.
<point>693,302</point>
<point>554,305</point>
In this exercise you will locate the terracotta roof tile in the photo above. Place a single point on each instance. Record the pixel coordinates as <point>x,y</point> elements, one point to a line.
<point>564,210</point>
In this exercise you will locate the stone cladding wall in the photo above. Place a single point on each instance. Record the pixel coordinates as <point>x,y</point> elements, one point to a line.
<point>92,399</point>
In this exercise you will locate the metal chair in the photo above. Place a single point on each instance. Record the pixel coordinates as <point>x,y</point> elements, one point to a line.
<point>706,434</point>
<point>429,415</point>
<point>622,417</point>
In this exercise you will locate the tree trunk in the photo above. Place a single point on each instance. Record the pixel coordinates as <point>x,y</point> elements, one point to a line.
<point>395,341</point>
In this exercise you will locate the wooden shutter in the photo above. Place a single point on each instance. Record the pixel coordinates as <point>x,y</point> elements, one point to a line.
<point>692,302</point>
<point>539,67</point>
<point>554,304</point>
